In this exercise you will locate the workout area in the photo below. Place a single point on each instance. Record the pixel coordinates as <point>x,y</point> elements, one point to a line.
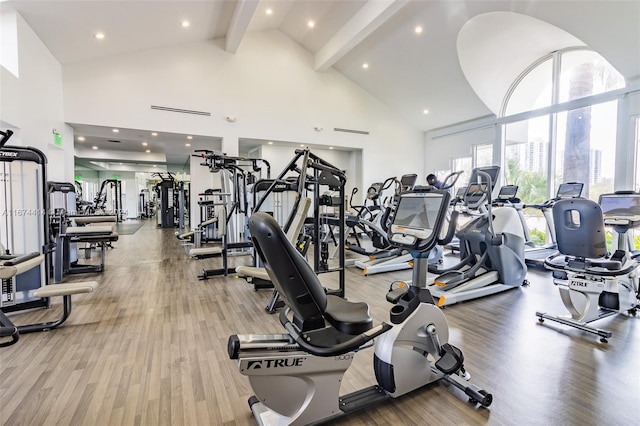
<point>296,212</point>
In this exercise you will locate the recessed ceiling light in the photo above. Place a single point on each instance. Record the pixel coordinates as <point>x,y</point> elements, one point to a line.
<point>185,24</point>
<point>81,138</point>
<point>330,147</point>
<point>189,137</point>
<point>269,12</point>
<point>148,150</point>
<point>187,144</point>
<point>115,130</point>
<point>365,65</point>
<point>98,36</point>
<point>425,111</point>
<point>121,164</point>
<point>154,134</point>
<point>270,143</point>
<point>94,147</point>
<point>144,144</point>
<point>311,24</point>
<point>418,29</point>
<point>301,144</point>
<point>155,165</point>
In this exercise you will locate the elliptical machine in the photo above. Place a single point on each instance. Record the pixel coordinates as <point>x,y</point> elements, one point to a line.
<point>491,248</point>
<point>296,376</point>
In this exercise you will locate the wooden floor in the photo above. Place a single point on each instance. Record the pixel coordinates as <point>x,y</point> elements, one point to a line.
<point>149,348</point>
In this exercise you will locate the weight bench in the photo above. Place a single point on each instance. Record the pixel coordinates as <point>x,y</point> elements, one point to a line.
<point>9,268</point>
<point>99,236</point>
<point>93,219</point>
<point>65,290</point>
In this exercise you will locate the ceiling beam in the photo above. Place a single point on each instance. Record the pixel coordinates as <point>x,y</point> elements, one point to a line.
<point>373,14</point>
<point>239,23</point>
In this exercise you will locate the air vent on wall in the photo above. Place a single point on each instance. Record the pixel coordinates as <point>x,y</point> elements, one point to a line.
<point>358,132</point>
<point>182,111</point>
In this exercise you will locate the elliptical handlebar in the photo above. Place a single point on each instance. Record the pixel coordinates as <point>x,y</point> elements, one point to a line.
<point>453,177</point>
<point>451,231</point>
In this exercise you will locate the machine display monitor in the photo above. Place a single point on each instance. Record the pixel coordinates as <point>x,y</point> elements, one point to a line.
<point>416,215</point>
<point>507,192</point>
<point>569,190</point>
<point>407,182</point>
<point>477,191</point>
<point>620,206</point>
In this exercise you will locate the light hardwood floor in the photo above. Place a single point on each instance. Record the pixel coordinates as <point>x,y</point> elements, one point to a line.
<point>149,348</point>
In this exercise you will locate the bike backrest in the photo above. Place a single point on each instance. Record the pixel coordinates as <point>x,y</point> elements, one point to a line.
<point>290,273</point>
<point>579,228</point>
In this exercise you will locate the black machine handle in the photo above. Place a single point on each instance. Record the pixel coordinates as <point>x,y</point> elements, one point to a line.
<point>335,350</point>
<point>451,179</point>
<point>453,220</point>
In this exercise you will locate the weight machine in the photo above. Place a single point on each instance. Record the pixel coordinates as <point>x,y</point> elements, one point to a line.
<point>229,204</point>
<point>312,177</point>
<point>25,261</point>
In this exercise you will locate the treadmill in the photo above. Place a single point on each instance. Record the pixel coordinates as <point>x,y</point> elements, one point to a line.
<point>535,256</point>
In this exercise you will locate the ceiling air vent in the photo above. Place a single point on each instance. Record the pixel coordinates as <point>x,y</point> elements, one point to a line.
<point>358,132</point>
<point>113,140</point>
<point>182,111</point>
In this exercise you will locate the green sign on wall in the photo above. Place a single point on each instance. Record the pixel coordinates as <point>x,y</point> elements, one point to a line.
<point>57,139</point>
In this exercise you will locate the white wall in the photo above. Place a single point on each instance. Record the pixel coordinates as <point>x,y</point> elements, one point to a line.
<point>442,147</point>
<point>32,103</point>
<point>269,86</point>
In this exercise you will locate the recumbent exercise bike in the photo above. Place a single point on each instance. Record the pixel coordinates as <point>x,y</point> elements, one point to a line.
<point>593,284</point>
<point>296,376</point>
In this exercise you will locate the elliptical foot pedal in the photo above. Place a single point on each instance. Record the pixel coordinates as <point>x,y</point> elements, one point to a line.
<point>451,359</point>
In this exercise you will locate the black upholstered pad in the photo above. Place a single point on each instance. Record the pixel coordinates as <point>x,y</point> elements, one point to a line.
<point>348,317</point>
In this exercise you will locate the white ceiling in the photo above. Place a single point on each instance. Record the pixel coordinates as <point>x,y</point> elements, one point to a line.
<point>407,71</point>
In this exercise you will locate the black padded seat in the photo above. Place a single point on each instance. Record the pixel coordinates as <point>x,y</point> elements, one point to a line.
<point>299,286</point>
<point>348,317</point>
<point>581,239</point>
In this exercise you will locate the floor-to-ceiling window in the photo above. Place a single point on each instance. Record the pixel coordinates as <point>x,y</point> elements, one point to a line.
<point>576,144</point>
<point>637,163</point>
<point>636,232</point>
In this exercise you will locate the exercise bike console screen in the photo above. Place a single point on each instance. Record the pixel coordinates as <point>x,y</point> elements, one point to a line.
<point>569,190</point>
<point>620,206</point>
<point>415,218</point>
<point>507,192</point>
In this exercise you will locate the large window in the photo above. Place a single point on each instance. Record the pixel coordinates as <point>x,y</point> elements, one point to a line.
<point>483,155</point>
<point>575,145</point>
<point>585,152</point>
<point>637,165</point>
<point>465,164</point>
<point>583,140</point>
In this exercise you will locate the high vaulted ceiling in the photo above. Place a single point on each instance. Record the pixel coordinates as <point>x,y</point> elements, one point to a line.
<point>410,71</point>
